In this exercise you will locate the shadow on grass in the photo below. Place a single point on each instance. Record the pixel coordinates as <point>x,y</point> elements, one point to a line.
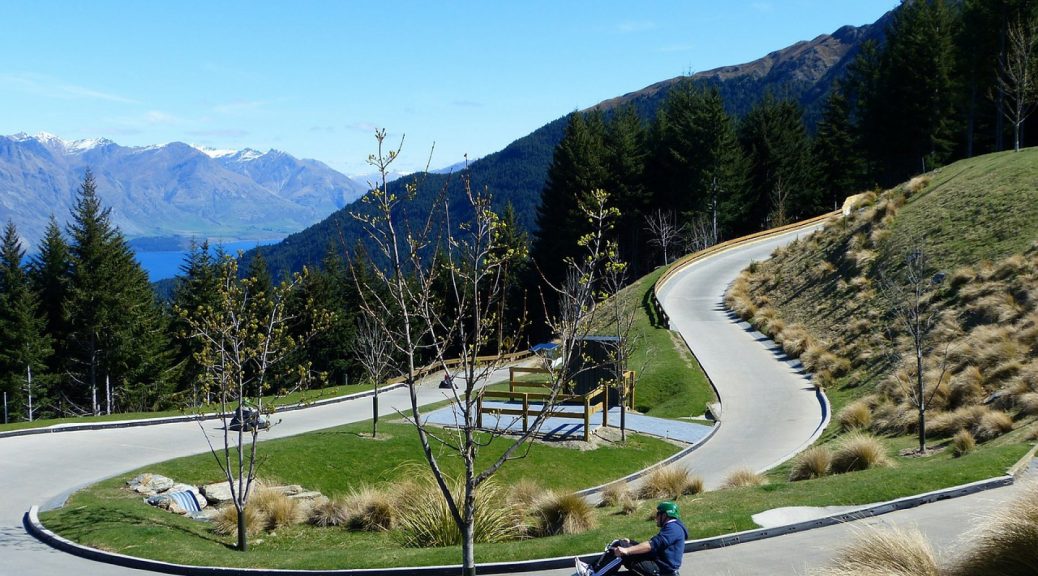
<point>78,524</point>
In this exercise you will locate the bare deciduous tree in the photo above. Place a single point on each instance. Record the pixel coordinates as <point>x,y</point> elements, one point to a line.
<point>910,297</point>
<point>1018,74</point>
<point>697,234</point>
<point>243,337</point>
<point>403,289</point>
<point>373,349</point>
<point>663,230</point>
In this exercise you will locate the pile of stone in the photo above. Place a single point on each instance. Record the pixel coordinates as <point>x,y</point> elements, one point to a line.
<point>200,502</point>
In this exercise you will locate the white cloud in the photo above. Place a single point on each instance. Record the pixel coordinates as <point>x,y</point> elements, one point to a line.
<point>42,85</point>
<point>633,26</point>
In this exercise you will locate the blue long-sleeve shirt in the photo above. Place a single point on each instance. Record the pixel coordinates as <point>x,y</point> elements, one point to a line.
<point>669,545</point>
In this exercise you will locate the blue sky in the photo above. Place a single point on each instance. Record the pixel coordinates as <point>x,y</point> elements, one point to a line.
<point>315,78</point>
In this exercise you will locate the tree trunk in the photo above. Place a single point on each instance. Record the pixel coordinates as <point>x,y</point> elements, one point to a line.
<point>921,392</point>
<point>468,541</point>
<point>243,544</point>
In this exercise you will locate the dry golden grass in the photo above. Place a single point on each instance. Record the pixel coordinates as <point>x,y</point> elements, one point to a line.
<point>1027,403</point>
<point>855,416</point>
<point>885,553</point>
<point>226,522</point>
<point>615,493</point>
<point>556,513</point>
<point>525,492</point>
<point>794,340</point>
<point>1006,542</point>
<point>424,520</point>
<point>992,424</point>
<point>943,424</point>
<point>744,477</point>
<point>815,462</point>
<point>890,418</point>
<point>370,509</point>
<point>916,184</point>
<point>859,451</point>
<point>329,512</point>
<point>963,443</point>
<point>670,482</point>
<point>966,388</point>
<point>277,509</point>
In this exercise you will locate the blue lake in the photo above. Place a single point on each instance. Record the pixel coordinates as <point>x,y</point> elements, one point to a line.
<point>166,264</point>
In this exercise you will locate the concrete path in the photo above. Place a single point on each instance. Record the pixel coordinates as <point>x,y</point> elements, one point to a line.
<point>769,408</point>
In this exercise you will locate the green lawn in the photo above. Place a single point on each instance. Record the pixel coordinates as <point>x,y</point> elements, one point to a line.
<point>109,517</point>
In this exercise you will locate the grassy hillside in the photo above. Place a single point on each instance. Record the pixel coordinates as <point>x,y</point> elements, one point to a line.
<point>827,299</point>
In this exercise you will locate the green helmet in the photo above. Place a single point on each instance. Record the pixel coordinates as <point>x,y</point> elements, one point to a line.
<point>669,508</point>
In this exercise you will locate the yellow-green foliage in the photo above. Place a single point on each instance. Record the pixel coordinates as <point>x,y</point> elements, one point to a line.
<point>859,451</point>
<point>556,513</point>
<point>670,482</point>
<point>891,552</point>
<point>855,416</point>
<point>744,477</point>
<point>814,462</point>
<point>1006,542</point>
<point>963,443</point>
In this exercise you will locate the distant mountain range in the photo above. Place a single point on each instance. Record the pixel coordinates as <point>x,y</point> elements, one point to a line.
<point>162,196</point>
<point>804,72</point>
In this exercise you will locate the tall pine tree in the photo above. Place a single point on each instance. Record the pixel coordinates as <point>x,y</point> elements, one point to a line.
<point>24,345</point>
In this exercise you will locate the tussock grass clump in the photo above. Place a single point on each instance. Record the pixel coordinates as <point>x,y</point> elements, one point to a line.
<point>329,512</point>
<point>670,482</point>
<point>556,513</point>
<point>944,424</point>
<point>744,477</point>
<point>370,509</point>
<point>859,451</point>
<point>794,340</point>
<point>916,184</point>
<point>424,520</point>
<point>615,493</point>
<point>525,492</point>
<point>1027,403</point>
<point>993,424</point>
<point>963,443</point>
<point>855,416</point>
<point>1005,543</point>
<point>814,462</point>
<point>966,388</point>
<point>277,509</point>
<point>897,419</point>
<point>226,522</point>
<point>886,553</point>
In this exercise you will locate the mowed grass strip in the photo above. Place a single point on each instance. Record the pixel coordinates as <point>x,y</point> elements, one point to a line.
<point>107,517</point>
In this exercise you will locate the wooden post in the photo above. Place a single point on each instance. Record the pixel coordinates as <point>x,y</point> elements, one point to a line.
<point>526,410</point>
<point>479,411</point>
<point>511,378</point>
<point>605,405</point>
<point>587,419</point>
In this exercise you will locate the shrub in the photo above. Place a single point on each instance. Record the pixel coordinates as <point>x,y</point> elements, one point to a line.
<point>556,513</point>
<point>615,493</point>
<point>744,477</point>
<point>329,512</point>
<point>370,509</point>
<point>855,416</point>
<point>424,520</point>
<point>963,443</point>
<point>1028,403</point>
<point>226,521</point>
<point>992,424</point>
<point>859,451</point>
<point>1005,543</point>
<point>670,482</point>
<point>278,509</point>
<point>811,463</point>
<point>886,553</point>
<point>525,492</point>
<point>794,340</point>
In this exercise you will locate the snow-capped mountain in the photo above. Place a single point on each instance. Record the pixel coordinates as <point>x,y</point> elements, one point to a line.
<point>172,191</point>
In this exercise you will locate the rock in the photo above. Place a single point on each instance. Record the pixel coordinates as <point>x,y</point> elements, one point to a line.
<point>217,494</point>
<point>150,484</point>
<point>306,495</point>
<point>289,490</point>
<point>205,515</point>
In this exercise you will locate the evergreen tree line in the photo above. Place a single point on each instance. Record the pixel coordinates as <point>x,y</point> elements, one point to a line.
<point>83,332</point>
<point>934,91</point>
